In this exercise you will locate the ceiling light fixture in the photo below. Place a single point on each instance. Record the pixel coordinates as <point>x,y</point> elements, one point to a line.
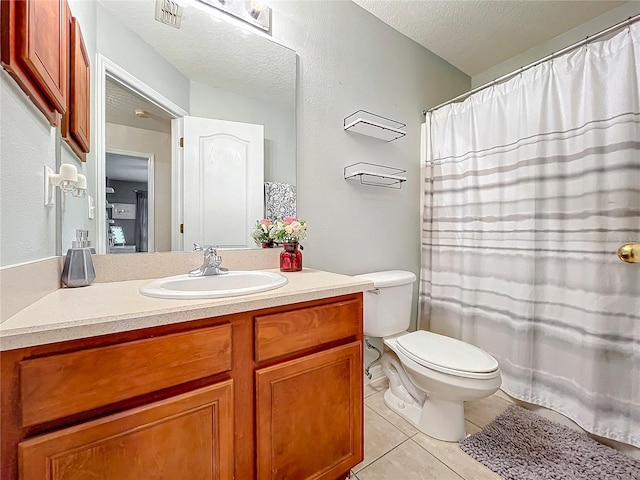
<point>253,12</point>
<point>141,113</point>
<point>255,9</point>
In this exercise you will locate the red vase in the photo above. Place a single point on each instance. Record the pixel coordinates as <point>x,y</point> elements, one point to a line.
<point>268,244</point>
<point>291,258</point>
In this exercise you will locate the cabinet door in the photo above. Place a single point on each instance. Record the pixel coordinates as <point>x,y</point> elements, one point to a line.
<point>76,127</point>
<point>44,49</point>
<point>189,436</point>
<point>34,51</point>
<point>309,415</point>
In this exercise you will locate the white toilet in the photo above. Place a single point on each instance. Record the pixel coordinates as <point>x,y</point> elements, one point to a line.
<point>430,375</point>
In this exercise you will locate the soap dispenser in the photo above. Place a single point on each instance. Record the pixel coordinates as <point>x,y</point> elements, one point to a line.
<point>78,270</point>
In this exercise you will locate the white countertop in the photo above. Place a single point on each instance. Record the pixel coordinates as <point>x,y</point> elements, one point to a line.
<point>104,308</point>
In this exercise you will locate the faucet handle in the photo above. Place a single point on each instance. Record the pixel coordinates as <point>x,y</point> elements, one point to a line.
<point>198,247</point>
<point>207,249</point>
<point>212,261</point>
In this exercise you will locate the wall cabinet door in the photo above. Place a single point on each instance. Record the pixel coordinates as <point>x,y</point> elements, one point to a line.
<point>189,436</point>
<point>309,415</point>
<point>76,123</point>
<point>34,51</point>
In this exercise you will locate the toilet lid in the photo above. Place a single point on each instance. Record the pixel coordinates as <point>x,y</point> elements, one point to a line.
<point>446,354</point>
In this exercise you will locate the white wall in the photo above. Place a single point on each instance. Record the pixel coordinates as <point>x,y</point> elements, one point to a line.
<point>146,141</point>
<point>350,60</point>
<point>278,120</point>
<point>27,144</point>
<point>119,44</point>
<point>596,25</point>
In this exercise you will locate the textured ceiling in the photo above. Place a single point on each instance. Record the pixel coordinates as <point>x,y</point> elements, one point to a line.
<point>122,103</point>
<point>126,168</point>
<point>477,35</point>
<point>212,50</point>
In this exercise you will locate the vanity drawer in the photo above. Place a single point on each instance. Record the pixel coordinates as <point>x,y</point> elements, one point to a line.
<point>61,385</point>
<point>284,333</point>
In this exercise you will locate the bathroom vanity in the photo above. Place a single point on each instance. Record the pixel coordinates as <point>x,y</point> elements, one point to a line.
<point>265,386</point>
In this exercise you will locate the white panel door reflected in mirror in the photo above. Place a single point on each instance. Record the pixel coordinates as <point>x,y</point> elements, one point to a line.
<point>223,179</point>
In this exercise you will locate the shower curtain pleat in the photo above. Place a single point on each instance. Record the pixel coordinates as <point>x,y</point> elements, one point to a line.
<point>529,188</point>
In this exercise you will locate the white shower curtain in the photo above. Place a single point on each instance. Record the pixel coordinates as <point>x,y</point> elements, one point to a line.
<point>530,187</point>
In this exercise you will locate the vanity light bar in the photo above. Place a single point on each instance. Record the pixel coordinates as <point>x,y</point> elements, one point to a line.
<point>253,12</point>
<point>69,181</point>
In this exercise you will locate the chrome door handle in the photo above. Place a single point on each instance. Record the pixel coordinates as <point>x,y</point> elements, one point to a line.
<point>629,253</point>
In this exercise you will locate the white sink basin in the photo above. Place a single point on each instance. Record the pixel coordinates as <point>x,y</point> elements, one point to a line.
<point>215,286</point>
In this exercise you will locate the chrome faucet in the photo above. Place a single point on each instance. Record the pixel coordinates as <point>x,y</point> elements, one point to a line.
<point>211,264</point>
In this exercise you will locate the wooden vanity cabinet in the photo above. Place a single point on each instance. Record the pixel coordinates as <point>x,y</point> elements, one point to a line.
<point>309,416</point>
<point>154,403</point>
<point>34,51</point>
<point>268,394</point>
<point>309,397</point>
<point>188,436</point>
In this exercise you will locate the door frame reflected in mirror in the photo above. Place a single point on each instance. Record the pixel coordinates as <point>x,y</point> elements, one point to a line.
<point>107,68</point>
<point>150,159</point>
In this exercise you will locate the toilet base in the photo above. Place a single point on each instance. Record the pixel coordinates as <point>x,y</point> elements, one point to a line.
<point>438,418</point>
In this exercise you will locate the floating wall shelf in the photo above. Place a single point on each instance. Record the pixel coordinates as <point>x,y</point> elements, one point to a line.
<point>372,125</point>
<point>376,175</point>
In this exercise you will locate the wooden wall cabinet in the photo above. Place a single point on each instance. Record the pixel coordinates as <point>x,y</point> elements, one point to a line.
<point>42,48</point>
<point>35,52</point>
<point>76,122</point>
<point>269,394</point>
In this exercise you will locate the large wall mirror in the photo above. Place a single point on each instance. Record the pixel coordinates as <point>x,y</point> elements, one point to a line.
<point>195,130</point>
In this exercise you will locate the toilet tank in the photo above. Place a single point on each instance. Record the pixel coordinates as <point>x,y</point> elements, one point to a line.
<point>387,309</point>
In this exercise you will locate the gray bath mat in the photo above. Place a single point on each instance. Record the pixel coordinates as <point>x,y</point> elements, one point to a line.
<point>520,445</point>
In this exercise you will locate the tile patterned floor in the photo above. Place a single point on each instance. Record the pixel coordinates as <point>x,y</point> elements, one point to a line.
<point>395,450</point>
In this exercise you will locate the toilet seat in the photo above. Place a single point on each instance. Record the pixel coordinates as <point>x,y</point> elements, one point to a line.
<point>447,355</point>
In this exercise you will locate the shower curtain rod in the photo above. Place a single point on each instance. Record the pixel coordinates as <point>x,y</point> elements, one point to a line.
<point>518,71</point>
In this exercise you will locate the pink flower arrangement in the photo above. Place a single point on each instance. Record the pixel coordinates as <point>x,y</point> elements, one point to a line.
<point>289,229</point>
<point>283,230</point>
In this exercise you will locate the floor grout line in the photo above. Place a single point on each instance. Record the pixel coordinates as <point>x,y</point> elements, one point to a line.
<point>385,454</point>
<point>450,466</point>
<point>438,459</point>
<point>379,457</point>
<point>390,423</point>
<point>411,437</point>
<point>473,423</point>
